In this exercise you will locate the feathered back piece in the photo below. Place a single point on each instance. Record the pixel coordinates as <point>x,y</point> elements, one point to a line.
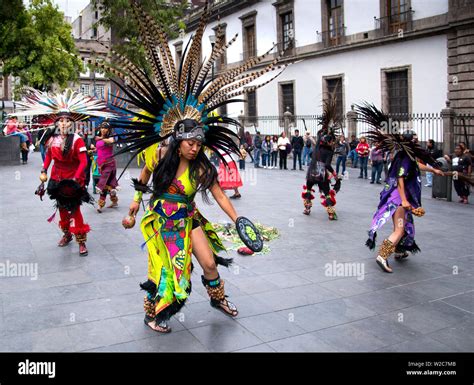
<point>388,138</point>
<point>178,92</point>
<point>71,103</point>
<point>330,120</point>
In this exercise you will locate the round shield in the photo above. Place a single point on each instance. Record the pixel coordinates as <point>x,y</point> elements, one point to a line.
<point>249,234</point>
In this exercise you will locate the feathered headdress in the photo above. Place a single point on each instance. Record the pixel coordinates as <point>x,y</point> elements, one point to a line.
<point>69,103</point>
<point>174,94</point>
<point>330,121</point>
<point>388,138</point>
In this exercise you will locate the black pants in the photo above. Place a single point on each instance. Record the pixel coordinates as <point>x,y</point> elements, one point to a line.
<point>296,154</point>
<point>283,156</point>
<point>274,156</point>
<point>324,187</point>
<point>462,189</point>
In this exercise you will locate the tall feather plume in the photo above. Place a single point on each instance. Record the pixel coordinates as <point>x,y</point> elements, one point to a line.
<point>189,67</point>
<point>387,140</point>
<point>184,93</point>
<point>167,58</point>
<point>218,50</point>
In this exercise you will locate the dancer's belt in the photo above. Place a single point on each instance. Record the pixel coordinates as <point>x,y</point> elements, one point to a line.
<point>176,198</point>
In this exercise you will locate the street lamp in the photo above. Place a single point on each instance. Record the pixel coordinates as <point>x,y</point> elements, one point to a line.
<point>212,39</point>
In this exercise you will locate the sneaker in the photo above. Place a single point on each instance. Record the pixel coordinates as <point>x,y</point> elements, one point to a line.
<point>383,263</point>
<point>428,185</point>
<point>65,240</point>
<point>83,249</point>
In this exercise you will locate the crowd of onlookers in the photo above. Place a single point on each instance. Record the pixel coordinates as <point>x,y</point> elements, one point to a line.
<point>272,151</point>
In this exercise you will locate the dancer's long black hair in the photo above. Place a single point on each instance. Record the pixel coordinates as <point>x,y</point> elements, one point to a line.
<point>201,171</point>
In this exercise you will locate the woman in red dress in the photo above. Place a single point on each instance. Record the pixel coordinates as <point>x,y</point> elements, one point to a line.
<point>229,177</point>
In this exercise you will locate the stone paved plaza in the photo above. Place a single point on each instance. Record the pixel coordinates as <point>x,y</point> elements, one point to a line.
<point>291,299</point>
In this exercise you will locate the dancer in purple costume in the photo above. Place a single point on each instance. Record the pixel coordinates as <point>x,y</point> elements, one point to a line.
<point>401,197</point>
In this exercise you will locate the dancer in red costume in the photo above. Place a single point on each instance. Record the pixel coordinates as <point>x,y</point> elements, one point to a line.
<point>69,153</point>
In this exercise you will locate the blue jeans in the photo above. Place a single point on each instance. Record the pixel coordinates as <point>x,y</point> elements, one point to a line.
<point>256,156</point>
<point>296,155</point>
<point>354,157</point>
<point>265,159</point>
<point>363,166</point>
<point>42,151</point>
<point>429,178</point>
<point>23,137</point>
<point>377,171</point>
<point>306,155</point>
<point>341,159</point>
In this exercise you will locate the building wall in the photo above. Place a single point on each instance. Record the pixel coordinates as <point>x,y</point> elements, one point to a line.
<point>82,26</point>
<point>361,71</point>
<point>361,67</point>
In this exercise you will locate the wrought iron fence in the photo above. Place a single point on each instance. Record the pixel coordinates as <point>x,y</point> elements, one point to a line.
<point>426,125</point>
<point>275,125</point>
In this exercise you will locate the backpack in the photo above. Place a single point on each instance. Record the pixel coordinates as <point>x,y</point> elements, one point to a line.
<point>258,141</point>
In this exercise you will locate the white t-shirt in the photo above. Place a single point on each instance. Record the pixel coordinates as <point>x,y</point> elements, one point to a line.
<point>282,142</point>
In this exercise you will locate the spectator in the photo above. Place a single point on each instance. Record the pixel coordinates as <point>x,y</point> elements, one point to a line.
<point>387,159</point>
<point>309,143</point>
<point>25,146</point>
<point>282,149</point>
<point>376,161</point>
<point>297,143</point>
<point>243,155</point>
<point>12,129</point>
<point>353,153</point>
<point>257,145</point>
<point>266,150</point>
<point>342,149</point>
<point>362,150</point>
<point>248,145</point>
<point>435,153</point>
<point>461,163</point>
<point>274,153</point>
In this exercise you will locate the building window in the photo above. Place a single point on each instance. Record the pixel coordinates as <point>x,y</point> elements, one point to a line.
<point>249,35</point>
<point>398,12</point>
<point>285,18</point>
<point>397,92</point>
<point>223,110</point>
<point>287,30</point>
<point>178,53</point>
<point>85,89</point>
<point>334,89</point>
<point>335,21</point>
<point>99,91</point>
<point>250,41</point>
<point>250,106</point>
<point>287,99</point>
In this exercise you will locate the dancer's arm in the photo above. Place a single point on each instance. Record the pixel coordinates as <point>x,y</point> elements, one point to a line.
<point>223,201</point>
<point>424,167</point>
<point>144,177</point>
<point>80,171</point>
<point>401,190</point>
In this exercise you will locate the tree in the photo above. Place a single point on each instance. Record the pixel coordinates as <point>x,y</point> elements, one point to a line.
<point>116,15</point>
<point>38,47</point>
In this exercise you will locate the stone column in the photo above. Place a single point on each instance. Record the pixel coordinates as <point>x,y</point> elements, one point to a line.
<point>287,115</point>
<point>351,118</point>
<point>447,114</point>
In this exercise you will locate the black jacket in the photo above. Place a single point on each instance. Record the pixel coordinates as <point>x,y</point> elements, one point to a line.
<point>297,143</point>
